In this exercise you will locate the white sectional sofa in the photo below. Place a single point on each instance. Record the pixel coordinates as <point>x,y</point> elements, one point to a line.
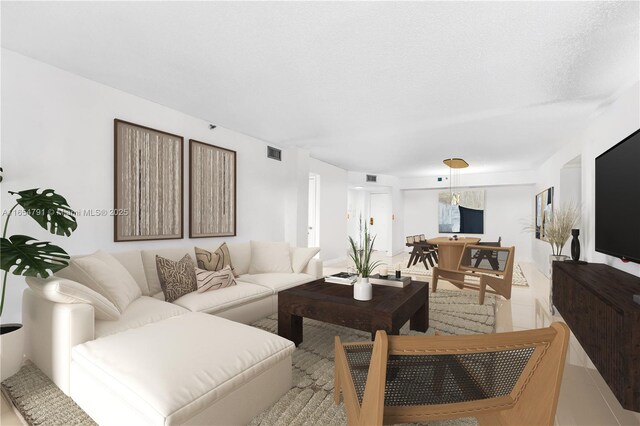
<point>192,361</point>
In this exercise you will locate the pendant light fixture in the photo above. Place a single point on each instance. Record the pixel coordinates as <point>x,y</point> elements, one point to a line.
<point>454,164</point>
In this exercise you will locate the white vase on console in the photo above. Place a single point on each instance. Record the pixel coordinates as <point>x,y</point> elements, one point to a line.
<point>362,289</point>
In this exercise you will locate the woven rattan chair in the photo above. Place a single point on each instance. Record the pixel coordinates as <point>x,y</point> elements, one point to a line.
<point>501,379</point>
<point>493,274</point>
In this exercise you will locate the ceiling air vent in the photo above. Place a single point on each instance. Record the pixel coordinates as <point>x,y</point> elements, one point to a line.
<point>274,153</point>
<point>372,178</point>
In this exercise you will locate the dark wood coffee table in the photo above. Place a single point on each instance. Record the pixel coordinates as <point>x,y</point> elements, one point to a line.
<point>390,308</point>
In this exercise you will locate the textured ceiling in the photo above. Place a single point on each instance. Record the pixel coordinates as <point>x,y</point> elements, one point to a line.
<point>384,87</point>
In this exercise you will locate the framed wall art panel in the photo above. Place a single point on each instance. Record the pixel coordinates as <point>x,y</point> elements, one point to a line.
<point>544,210</point>
<point>148,187</point>
<point>212,191</point>
<point>461,212</point>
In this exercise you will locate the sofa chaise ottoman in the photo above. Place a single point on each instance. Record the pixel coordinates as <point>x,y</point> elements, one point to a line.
<point>189,369</point>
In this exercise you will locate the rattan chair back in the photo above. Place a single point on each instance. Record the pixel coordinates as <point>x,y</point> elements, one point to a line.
<point>505,378</point>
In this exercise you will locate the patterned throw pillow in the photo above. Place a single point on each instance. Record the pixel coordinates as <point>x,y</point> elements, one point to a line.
<point>214,280</point>
<point>176,278</point>
<point>214,261</point>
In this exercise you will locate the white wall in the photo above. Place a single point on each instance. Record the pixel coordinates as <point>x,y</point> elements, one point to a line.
<point>608,127</point>
<point>333,209</point>
<point>571,183</point>
<point>297,198</point>
<point>506,207</point>
<point>521,177</point>
<point>394,184</point>
<point>57,132</point>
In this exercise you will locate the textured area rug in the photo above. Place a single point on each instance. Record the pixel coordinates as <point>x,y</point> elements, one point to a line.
<point>310,400</point>
<point>419,270</point>
<point>40,402</point>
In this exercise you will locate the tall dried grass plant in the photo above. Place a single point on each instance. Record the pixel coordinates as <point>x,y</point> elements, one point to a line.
<point>558,226</point>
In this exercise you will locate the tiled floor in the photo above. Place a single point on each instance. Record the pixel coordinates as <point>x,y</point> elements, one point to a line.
<point>585,398</point>
<point>7,416</point>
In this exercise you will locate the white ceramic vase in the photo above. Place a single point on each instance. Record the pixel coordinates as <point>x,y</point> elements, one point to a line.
<point>11,349</point>
<point>552,258</point>
<point>362,289</point>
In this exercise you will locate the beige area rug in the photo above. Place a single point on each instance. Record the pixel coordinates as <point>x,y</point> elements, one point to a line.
<point>40,402</point>
<point>419,270</point>
<point>310,400</point>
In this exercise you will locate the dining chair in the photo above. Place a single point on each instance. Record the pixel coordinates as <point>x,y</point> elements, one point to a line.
<point>489,256</point>
<point>414,250</point>
<point>496,278</point>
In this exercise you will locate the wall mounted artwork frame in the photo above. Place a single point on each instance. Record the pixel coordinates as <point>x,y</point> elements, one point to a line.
<point>148,183</point>
<point>544,207</point>
<point>212,190</point>
<point>461,212</point>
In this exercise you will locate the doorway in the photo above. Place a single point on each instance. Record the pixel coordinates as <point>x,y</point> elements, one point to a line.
<point>380,221</point>
<point>314,212</point>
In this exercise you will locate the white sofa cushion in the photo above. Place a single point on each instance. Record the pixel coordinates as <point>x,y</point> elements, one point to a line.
<point>173,369</point>
<point>211,302</point>
<point>270,256</point>
<point>62,290</point>
<point>149,263</point>
<point>102,273</point>
<point>315,268</point>
<point>277,281</point>
<point>132,261</point>
<point>240,254</point>
<point>142,311</point>
<point>300,257</point>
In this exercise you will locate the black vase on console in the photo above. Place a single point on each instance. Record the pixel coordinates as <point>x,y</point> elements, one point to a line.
<point>575,245</point>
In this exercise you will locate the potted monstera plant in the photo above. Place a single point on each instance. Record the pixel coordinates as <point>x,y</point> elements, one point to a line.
<point>24,255</point>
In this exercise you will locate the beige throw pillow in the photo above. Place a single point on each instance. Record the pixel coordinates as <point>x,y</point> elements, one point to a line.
<point>214,261</point>
<point>61,290</point>
<point>103,274</point>
<point>214,280</point>
<point>300,257</point>
<point>176,278</point>
<point>268,256</point>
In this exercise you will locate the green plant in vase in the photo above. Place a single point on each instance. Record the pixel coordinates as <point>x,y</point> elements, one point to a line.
<point>361,252</point>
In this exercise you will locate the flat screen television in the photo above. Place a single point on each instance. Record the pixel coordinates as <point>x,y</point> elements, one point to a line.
<point>618,200</point>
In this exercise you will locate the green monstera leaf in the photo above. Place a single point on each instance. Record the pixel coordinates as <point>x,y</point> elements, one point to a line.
<point>49,209</point>
<point>30,257</point>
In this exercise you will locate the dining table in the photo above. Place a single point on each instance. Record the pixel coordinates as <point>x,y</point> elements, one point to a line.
<point>450,250</point>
